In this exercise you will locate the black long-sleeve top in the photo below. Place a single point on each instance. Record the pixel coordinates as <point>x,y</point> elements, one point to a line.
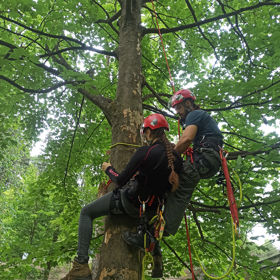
<point>153,172</point>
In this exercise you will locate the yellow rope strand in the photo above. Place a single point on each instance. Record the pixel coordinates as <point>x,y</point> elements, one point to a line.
<point>147,259</point>
<point>232,262</point>
<point>234,230</point>
<point>125,144</point>
<point>240,188</point>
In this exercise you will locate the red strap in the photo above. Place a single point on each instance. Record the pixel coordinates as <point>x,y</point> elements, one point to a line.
<point>108,183</point>
<point>230,195</point>
<point>189,153</point>
<point>179,132</point>
<point>189,246</point>
<point>151,200</point>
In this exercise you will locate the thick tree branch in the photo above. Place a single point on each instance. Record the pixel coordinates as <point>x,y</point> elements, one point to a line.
<point>160,100</point>
<point>102,102</point>
<point>265,203</point>
<point>242,105</point>
<point>23,36</point>
<point>109,19</point>
<point>8,45</point>
<point>156,110</point>
<point>28,90</point>
<point>253,93</point>
<point>36,31</point>
<point>242,136</point>
<point>84,48</point>
<point>234,155</point>
<point>202,22</point>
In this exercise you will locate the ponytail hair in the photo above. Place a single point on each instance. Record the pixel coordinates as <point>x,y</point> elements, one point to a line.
<point>173,177</point>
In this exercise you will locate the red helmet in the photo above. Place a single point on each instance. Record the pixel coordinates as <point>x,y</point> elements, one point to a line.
<point>181,95</point>
<point>155,121</point>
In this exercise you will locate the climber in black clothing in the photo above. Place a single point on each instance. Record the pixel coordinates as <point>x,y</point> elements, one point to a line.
<point>151,172</point>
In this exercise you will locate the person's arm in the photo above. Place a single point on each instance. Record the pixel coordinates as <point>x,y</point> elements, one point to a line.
<point>186,139</point>
<point>131,168</point>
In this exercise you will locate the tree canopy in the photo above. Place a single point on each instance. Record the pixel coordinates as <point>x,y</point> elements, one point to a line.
<point>87,71</point>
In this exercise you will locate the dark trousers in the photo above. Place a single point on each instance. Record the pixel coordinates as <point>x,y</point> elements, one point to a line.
<point>177,201</point>
<point>206,164</point>
<point>113,203</point>
<point>99,207</point>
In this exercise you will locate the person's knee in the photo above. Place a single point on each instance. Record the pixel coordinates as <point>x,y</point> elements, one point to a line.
<point>85,211</point>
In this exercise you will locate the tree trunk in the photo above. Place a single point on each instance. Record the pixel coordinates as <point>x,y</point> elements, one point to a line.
<point>117,260</point>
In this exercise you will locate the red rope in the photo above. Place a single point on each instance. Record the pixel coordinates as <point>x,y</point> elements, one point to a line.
<point>189,246</point>
<point>179,132</point>
<point>161,39</point>
<point>108,183</point>
<point>173,88</point>
<point>230,195</point>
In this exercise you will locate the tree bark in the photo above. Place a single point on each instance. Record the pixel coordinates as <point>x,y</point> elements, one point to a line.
<point>117,260</point>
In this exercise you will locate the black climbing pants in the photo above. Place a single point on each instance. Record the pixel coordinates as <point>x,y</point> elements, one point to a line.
<point>99,207</point>
<point>113,203</point>
<point>206,164</point>
<point>177,201</point>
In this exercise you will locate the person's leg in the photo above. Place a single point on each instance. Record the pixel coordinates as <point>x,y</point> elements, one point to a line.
<point>97,208</point>
<point>177,201</point>
<point>100,207</point>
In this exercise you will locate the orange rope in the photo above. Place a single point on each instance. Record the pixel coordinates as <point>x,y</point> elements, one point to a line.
<point>160,35</point>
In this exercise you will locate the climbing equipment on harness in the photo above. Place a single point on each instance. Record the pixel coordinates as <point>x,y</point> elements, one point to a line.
<point>230,195</point>
<point>158,222</point>
<point>147,259</point>
<point>152,231</point>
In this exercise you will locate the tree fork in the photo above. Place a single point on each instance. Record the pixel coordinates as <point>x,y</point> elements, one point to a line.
<point>117,260</point>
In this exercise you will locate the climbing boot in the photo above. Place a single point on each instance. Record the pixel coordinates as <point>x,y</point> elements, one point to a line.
<point>157,271</point>
<point>79,271</point>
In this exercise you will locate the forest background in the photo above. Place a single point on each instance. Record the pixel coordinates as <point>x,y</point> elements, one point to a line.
<point>87,72</point>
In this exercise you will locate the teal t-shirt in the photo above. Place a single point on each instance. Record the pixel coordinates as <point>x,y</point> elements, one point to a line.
<point>206,125</point>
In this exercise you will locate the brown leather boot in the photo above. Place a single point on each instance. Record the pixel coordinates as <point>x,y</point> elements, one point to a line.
<point>79,271</point>
<point>157,271</point>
